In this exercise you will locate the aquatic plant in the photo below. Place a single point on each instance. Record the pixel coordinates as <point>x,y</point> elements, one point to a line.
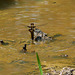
<point>40,68</point>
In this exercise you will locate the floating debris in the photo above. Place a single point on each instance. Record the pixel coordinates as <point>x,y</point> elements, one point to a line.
<point>37,35</point>
<point>54,2</point>
<point>73,42</point>
<point>64,55</point>
<point>60,56</point>
<point>3,43</point>
<point>24,49</point>
<point>57,35</point>
<point>41,36</point>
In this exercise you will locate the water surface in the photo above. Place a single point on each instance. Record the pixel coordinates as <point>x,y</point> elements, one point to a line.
<point>55,17</point>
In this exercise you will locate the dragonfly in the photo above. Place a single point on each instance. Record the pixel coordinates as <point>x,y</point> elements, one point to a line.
<point>25,25</point>
<point>37,26</point>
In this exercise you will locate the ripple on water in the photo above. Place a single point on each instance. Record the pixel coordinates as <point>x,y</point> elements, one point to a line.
<point>25,16</point>
<point>17,18</point>
<point>73,23</point>
<point>61,13</point>
<point>9,32</point>
<point>10,36</point>
<point>72,18</point>
<point>32,6</point>
<point>35,15</point>
<point>2,48</point>
<point>1,34</point>
<point>51,18</point>
<point>6,28</point>
<point>27,6</point>
<point>52,11</point>
<point>12,48</point>
<point>61,22</point>
<point>19,14</point>
<point>17,34</point>
<point>73,37</point>
<point>33,18</point>
<point>72,14</point>
<point>35,11</point>
<point>62,18</point>
<point>44,2</point>
<point>19,7</point>
<point>72,30</point>
<point>61,50</point>
<point>29,11</point>
<point>18,22</point>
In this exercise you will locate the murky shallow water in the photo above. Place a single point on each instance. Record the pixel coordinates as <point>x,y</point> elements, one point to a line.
<point>55,17</point>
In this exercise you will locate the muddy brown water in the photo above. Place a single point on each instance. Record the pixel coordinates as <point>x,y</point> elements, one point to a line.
<point>55,17</point>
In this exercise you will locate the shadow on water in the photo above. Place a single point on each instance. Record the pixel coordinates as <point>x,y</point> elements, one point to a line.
<point>6,3</point>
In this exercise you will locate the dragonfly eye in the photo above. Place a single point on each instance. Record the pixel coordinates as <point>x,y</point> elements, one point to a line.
<point>32,23</point>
